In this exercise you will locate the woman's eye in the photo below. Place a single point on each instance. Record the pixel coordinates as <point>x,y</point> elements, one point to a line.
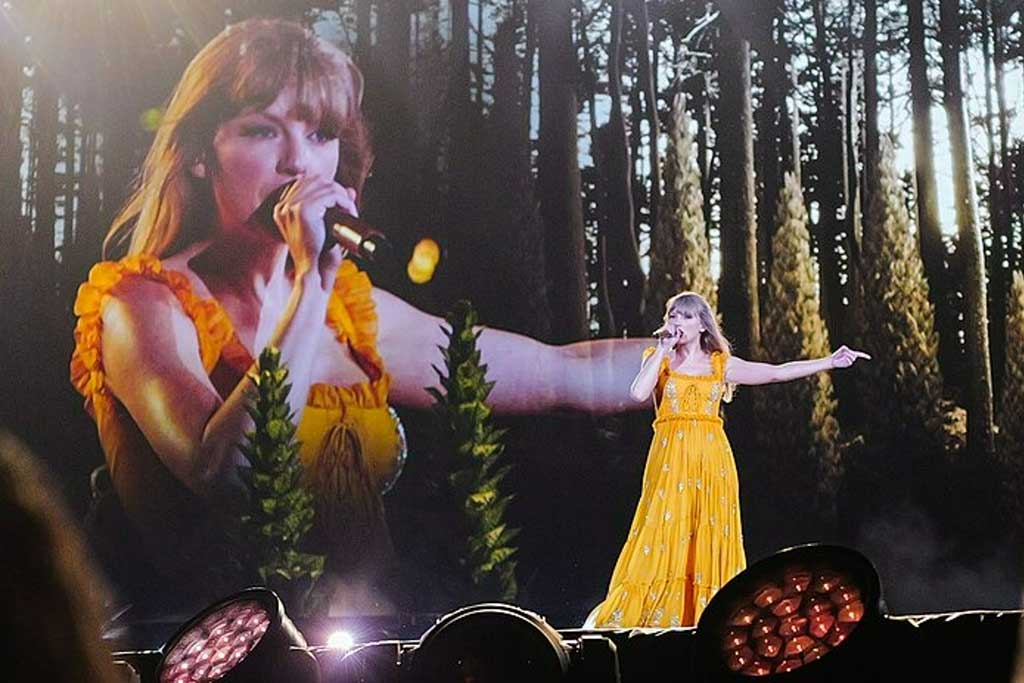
<point>322,136</point>
<point>258,131</point>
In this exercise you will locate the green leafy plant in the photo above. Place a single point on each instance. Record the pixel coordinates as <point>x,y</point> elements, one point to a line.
<point>280,510</point>
<point>473,450</point>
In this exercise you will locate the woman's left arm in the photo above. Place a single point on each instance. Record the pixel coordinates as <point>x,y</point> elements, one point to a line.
<point>739,371</point>
<point>529,376</point>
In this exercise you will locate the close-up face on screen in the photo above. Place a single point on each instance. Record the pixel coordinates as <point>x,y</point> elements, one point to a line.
<point>469,338</point>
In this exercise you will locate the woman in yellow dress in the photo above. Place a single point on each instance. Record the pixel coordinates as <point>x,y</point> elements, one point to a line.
<point>167,334</point>
<point>686,539</point>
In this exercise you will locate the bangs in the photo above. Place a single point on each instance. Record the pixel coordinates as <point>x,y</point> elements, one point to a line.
<point>686,303</point>
<point>327,87</point>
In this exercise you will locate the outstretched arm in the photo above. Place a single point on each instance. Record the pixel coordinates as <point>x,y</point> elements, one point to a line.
<point>739,371</point>
<point>529,376</point>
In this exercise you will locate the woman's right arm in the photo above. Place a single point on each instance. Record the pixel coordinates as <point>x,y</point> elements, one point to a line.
<point>645,380</point>
<point>152,365</point>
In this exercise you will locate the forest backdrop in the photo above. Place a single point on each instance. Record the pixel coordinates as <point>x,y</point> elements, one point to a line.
<point>825,171</point>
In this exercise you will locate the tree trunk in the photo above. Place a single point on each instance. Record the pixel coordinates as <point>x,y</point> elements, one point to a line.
<point>625,279</point>
<point>770,144</point>
<point>738,300</point>
<point>704,160</point>
<point>979,386</point>
<point>870,42</point>
<point>933,251</point>
<point>1003,245</point>
<point>558,172</point>
<point>829,188</point>
<point>646,76</point>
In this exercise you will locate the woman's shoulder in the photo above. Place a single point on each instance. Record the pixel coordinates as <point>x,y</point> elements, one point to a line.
<point>135,282</point>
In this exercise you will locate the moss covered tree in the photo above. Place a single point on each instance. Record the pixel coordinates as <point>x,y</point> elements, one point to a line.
<point>900,390</point>
<point>797,426</point>
<point>1010,443</point>
<point>680,257</point>
<point>281,511</point>
<point>472,452</point>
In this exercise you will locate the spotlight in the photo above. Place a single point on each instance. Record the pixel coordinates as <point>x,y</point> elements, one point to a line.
<point>802,612</point>
<point>341,640</point>
<point>498,643</point>
<point>242,638</point>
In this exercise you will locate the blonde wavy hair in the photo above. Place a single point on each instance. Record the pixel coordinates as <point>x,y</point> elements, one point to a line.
<point>245,67</point>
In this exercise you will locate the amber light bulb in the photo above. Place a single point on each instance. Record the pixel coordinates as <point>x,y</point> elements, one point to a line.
<point>767,595</point>
<point>852,612</point>
<point>792,626</point>
<point>796,581</point>
<point>820,625</point>
<point>739,658</point>
<point>787,606</point>
<point>764,625</point>
<point>744,616</point>
<point>798,645</point>
<point>768,646</point>
<point>734,637</point>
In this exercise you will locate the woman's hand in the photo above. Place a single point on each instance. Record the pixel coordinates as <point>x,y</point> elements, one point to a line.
<point>844,357</point>
<point>667,340</point>
<point>300,218</point>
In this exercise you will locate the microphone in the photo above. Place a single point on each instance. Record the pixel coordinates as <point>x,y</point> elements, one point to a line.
<point>662,333</point>
<point>353,234</point>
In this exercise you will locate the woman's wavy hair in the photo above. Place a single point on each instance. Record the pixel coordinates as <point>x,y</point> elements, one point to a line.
<point>246,66</point>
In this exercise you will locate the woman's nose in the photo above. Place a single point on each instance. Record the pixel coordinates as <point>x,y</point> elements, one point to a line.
<point>293,159</point>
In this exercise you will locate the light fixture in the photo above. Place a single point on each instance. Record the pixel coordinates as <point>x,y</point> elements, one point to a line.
<point>800,612</point>
<point>498,643</point>
<point>246,637</point>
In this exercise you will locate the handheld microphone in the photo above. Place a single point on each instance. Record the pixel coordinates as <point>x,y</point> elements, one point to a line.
<point>353,234</point>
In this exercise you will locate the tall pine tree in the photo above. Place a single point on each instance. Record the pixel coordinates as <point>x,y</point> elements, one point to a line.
<point>1011,413</point>
<point>680,257</point>
<point>797,423</point>
<point>902,386</point>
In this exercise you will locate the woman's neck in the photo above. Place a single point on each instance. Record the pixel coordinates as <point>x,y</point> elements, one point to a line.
<point>243,263</point>
<point>689,351</point>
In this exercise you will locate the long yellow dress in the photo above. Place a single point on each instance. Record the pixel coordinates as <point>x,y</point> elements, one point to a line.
<point>351,442</point>
<point>685,540</point>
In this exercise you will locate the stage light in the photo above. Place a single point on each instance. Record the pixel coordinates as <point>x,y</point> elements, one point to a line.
<point>801,612</point>
<point>490,643</point>
<point>341,640</point>
<point>246,637</point>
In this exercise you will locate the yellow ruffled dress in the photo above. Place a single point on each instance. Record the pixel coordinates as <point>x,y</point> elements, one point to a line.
<point>352,443</point>
<point>685,540</point>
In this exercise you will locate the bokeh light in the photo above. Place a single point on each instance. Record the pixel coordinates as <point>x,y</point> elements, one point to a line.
<point>424,260</point>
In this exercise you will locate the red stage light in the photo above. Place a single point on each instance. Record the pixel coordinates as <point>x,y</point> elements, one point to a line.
<point>792,609</point>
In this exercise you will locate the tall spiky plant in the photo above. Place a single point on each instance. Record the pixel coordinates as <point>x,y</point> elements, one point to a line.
<point>797,426</point>
<point>903,387</point>
<point>280,510</point>
<point>1010,440</point>
<point>680,257</point>
<point>474,448</point>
